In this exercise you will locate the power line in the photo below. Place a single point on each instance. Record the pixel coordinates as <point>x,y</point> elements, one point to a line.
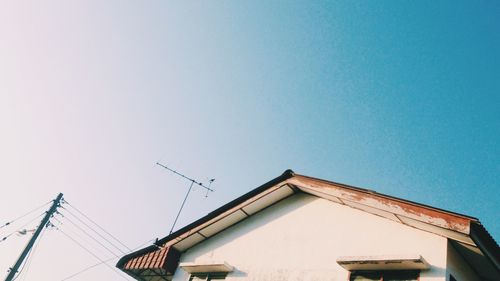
<point>24,215</point>
<point>81,237</point>
<point>87,268</point>
<point>96,224</point>
<point>91,253</point>
<point>88,223</point>
<point>91,228</point>
<point>7,236</point>
<point>100,263</point>
<point>21,269</point>
<point>91,237</point>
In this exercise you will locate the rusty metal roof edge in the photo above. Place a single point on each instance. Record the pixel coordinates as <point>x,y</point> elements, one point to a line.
<point>372,192</point>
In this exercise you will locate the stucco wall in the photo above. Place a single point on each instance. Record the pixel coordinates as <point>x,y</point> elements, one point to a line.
<point>301,237</point>
<point>457,266</point>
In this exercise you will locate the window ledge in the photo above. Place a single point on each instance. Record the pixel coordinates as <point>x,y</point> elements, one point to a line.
<point>212,267</point>
<point>383,262</point>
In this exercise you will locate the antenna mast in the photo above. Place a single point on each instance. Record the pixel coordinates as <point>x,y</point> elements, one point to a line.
<point>189,190</point>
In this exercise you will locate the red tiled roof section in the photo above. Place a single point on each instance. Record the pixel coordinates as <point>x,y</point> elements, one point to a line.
<point>163,258</point>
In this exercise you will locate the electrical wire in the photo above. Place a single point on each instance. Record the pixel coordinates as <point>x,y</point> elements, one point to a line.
<point>7,236</point>
<point>92,237</point>
<point>22,216</point>
<point>99,263</point>
<point>81,237</point>
<point>87,268</point>
<point>91,253</point>
<point>81,213</point>
<point>26,265</point>
<point>91,228</point>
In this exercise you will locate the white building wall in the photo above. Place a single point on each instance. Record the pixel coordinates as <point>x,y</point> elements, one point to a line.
<point>300,238</point>
<point>458,267</point>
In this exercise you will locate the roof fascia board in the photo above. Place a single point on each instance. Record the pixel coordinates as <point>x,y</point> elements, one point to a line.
<point>364,190</point>
<point>188,228</point>
<point>426,214</point>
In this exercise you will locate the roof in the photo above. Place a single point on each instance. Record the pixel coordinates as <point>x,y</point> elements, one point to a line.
<point>469,237</point>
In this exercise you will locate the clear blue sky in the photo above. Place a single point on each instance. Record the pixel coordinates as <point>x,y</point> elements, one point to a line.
<point>400,97</point>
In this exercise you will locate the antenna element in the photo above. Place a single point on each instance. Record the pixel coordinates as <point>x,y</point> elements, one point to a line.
<point>189,190</point>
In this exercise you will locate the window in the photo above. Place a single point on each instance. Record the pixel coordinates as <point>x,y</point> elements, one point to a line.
<point>389,275</point>
<point>207,276</point>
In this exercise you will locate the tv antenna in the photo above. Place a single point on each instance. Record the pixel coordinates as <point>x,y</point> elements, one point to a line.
<point>193,181</point>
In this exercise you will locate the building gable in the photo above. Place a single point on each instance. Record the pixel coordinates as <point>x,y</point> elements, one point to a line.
<point>464,230</point>
<point>282,242</point>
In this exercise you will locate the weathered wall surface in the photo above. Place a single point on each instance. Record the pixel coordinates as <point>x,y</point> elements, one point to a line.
<point>458,267</point>
<point>301,237</point>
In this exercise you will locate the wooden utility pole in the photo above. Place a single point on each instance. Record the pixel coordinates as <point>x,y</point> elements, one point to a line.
<point>43,223</point>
